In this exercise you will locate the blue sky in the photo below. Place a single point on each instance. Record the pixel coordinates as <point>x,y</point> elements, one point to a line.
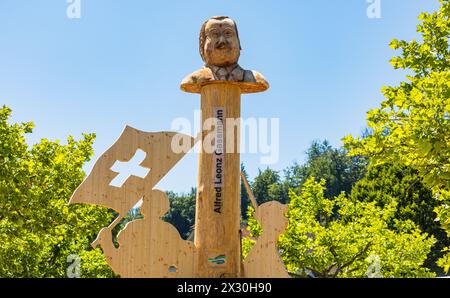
<point>122,63</point>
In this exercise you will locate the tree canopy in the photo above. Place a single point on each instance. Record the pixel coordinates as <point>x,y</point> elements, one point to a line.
<point>38,229</point>
<point>412,125</point>
<point>403,185</point>
<point>182,212</point>
<point>344,237</point>
<point>339,170</point>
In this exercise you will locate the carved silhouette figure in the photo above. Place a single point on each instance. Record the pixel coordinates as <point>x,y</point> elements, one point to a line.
<point>149,247</point>
<point>263,260</point>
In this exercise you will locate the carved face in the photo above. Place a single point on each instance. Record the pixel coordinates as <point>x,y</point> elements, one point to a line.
<point>221,46</point>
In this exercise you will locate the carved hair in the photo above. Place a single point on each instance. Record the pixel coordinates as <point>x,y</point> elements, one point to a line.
<point>203,34</point>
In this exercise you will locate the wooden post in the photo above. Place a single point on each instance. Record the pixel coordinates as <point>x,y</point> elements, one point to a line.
<point>218,195</point>
<point>220,82</point>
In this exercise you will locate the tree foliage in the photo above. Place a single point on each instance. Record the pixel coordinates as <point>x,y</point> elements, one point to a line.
<point>268,186</point>
<point>339,170</point>
<point>390,183</point>
<point>412,126</point>
<point>255,231</point>
<point>343,237</point>
<point>38,229</point>
<point>182,212</point>
<point>245,199</point>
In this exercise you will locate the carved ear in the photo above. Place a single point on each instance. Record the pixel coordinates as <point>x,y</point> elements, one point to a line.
<point>201,41</point>
<point>237,34</point>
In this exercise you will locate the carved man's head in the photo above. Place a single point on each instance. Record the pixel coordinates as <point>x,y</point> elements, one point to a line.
<point>155,204</point>
<point>219,42</point>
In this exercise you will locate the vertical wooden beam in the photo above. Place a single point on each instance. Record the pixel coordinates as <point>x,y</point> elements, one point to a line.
<point>218,195</point>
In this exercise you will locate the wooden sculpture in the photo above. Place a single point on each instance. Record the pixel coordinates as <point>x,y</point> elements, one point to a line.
<point>150,247</point>
<point>220,83</point>
<point>263,260</point>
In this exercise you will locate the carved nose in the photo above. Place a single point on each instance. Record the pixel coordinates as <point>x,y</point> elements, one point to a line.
<point>222,42</point>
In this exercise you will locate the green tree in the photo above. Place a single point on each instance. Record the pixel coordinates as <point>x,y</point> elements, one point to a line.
<point>255,231</point>
<point>245,199</point>
<point>182,212</point>
<point>38,229</point>
<point>267,186</point>
<point>358,242</point>
<point>339,170</point>
<point>412,126</point>
<point>385,184</point>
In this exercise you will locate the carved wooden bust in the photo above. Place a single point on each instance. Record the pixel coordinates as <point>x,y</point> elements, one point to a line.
<point>220,49</point>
